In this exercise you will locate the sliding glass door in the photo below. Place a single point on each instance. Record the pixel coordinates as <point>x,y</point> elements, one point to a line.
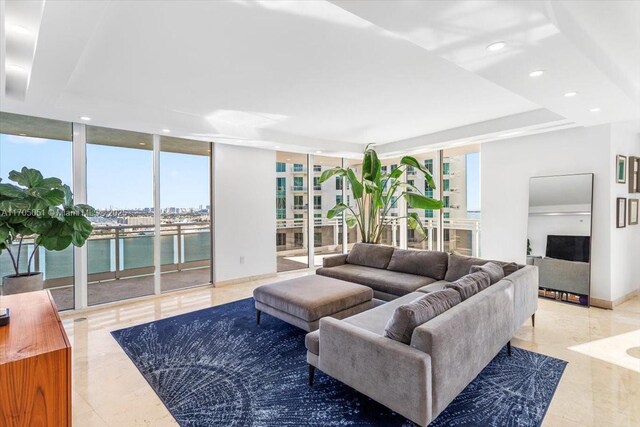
<point>185,212</point>
<point>120,187</point>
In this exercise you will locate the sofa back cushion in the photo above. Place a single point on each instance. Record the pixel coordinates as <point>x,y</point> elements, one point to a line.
<point>423,263</point>
<point>459,265</point>
<point>494,270</point>
<point>370,255</point>
<point>470,284</point>
<point>407,317</point>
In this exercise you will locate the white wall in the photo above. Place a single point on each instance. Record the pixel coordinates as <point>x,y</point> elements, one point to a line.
<point>625,242</point>
<point>245,212</point>
<point>506,168</point>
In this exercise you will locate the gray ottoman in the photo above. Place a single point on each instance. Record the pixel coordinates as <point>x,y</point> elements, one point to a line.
<point>303,301</point>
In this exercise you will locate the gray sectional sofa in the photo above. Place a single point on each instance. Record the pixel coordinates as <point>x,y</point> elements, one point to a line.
<point>444,355</point>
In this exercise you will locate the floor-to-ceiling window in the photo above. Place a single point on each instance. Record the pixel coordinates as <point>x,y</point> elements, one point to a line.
<point>44,145</point>
<point>120,187</point>
<point>291,211</point>
<point>461,198</point>
<point>185,212</point>
<point>327,232</point>
<point>391,231</point>
<point>429,218</point>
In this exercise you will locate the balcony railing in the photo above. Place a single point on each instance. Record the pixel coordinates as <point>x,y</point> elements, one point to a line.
<point>116,252</point>
<point>298,188</point>
<point>298,207</point>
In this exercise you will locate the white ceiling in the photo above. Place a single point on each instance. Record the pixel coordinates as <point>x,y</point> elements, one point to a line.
<point>329,76</point>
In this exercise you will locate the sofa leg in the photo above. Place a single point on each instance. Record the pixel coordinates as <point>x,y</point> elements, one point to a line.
<point>312,372</point>
<point>533,320</point>
<point>258,313</point>
<point>509,348</point>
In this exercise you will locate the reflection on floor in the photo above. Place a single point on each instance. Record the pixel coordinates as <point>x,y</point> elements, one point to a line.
<point>132,287</point>
<point>109,391</point>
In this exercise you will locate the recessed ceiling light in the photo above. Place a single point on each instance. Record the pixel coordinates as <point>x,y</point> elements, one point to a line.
<point>85,118</point>
<point>22,134</point>
<point>16,68</point>
<point>496,46</point>
<point>19,29</point>
<point>277,146</point>
<point>594,110</point>
<point>536,73</point>
<point>318,152</point>
<point>141,143</point>
<point>288,159</point>
<point>166,130</point>
<point>570,94</point>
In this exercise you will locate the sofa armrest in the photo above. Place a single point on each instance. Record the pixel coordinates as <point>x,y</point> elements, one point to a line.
<point>389,372</point>
<point>525,294</point>
<point>334,261</point>
<point>464,339</point>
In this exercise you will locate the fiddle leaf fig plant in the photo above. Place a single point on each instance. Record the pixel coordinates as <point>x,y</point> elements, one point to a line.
<point>41,209</point>
<point>375,193</point>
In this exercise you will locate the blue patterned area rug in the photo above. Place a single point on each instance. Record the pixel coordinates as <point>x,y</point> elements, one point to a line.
<point>216,367</point>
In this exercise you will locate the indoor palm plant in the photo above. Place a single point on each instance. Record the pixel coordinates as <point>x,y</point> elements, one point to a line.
<point>42,210</point>
<point>375,194</point>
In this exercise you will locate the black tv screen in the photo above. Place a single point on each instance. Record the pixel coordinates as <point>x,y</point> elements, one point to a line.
<point>570,248</point>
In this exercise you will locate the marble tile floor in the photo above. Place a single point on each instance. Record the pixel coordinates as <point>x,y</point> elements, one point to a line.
<point>600,386</point>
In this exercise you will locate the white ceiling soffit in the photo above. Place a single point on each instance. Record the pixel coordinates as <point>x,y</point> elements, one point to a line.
<point>538,36</point>
<point>20,25</point>
<point>325,76</point>
<point>234,71</point>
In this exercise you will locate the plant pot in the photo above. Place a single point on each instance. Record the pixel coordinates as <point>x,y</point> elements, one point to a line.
<point>22,283</point>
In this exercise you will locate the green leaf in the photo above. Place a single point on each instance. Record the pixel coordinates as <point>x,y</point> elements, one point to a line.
<point>68,196</point>
<point>336,210</point>
<point>51,183</point>
<point>411,161</point>
<point>29,178</point>
<point>10,190</point>
<point>331,172</point>
<point>38,225</point>
<point>370,186</point>
<point>356,186</point>
<point>55,242</point>
<point>396,173</point>
<point>414,223</point>
<point>351,221</point>
<point>54,197</point>
<point>371,166</point>
<point>419,201</point>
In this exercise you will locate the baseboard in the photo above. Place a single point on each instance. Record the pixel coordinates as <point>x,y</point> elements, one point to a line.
<point>223,283</point>
<point>610,305</point>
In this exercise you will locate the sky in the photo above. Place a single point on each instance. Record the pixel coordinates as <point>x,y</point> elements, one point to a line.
<point>473,181</point>
<point>118,178</point>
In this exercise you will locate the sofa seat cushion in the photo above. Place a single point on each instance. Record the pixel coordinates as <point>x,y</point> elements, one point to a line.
<point>376,319</point>
<point>424,263</point>
<point>407,317</point>
<point>432,287</point>
<point>312,297</point>
<point>460,265</point>
<point>373,320</point>
<point>390,282</point>
<point>370,255</point>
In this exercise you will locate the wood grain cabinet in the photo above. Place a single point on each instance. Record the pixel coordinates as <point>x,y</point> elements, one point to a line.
<point>35,364</point>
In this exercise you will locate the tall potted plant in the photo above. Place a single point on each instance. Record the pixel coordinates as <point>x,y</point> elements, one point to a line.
<point>42,210</point>
<point>375,192</point>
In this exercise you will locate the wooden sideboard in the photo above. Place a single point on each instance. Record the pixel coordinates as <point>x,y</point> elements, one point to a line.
<point>35,364</point>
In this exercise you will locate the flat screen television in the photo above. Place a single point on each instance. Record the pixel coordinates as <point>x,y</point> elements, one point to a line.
<point>569,248</point>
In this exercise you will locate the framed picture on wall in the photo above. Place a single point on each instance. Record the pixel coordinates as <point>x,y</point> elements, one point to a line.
<point>634,174</point>
<point>633,211</point>
<point>621,212</point>
<point>621,169</point>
